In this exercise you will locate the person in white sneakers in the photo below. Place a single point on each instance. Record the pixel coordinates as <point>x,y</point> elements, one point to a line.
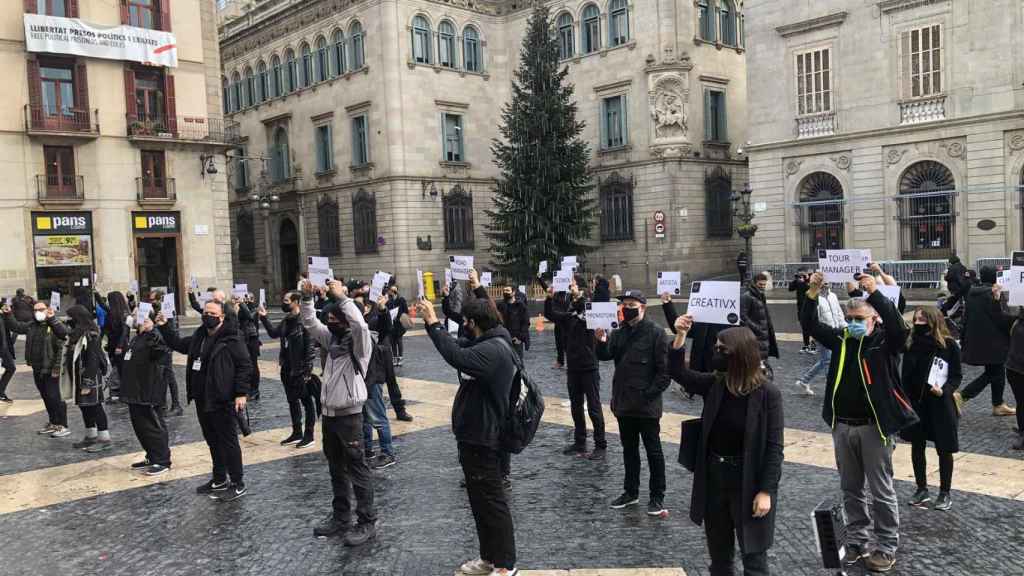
<point>831,314</point>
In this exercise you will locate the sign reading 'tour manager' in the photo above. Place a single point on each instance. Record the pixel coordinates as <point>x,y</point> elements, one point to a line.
<point>839,266</point>
<point>715,302</point>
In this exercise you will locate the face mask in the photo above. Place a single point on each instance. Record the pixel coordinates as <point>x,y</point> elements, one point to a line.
<point>857,329</point>
<point>508,297</point>
<point>210,322</point>
<point>336,329</point>
<point>921,329</point>
<point>630,314</point>
<point>286,308</point>
<point>720,362</point>
<point>40,316</point>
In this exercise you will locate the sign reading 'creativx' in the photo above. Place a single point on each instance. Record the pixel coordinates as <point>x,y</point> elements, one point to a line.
<point>56,35</point>
<point>715,302</point>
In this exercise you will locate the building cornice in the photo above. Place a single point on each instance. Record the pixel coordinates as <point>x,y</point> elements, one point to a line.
<point>804,26</point>
<point>617,85</point>
<point>887,6</point>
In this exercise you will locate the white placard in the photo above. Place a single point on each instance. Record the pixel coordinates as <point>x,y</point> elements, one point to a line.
<point>85,282</point>
<point>543,268</point>
<point>1016,295</point>
<point>56,35</point>
<point>939,373</point>
<point>318,262</point>
<point>240,291</point>
<point>453,327</point>
<point>263,297</point>
<point>891,292</point>
<point>461,266</point>
<point>561,282</point>
<point>320,276</point>
<point>55,300</point>
<point>193,283</point>
<point>142,312</point>
<point>201,230</point>
<point>167,306</point>
<point>715,302</point>
<point>205,297</point>
<point>133,286</point>
<point>485,279</point>
<point>839,266</point>
<point>380,281</point>
<point>420,292</point>
<point>602,315</point>
<point>448,277</point>
<point>522,289</point>
<point>569,262</point>
<point>670,282</point>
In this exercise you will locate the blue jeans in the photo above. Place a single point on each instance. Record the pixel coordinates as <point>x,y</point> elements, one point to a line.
<point>821,365</point>
<point>375,415</point>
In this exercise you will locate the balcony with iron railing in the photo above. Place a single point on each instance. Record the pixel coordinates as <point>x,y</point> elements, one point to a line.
<point>60,188</point>
<point>197,129</point>
<point>151,191</point>
<point>74,122</point>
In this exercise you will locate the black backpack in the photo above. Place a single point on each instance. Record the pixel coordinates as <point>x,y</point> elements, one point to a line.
<point>526,407</point>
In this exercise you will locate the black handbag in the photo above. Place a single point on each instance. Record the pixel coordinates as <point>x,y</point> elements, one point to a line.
<point>689,443</point>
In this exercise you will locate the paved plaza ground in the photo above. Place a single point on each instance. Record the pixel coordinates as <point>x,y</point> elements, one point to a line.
<point>66,512</point>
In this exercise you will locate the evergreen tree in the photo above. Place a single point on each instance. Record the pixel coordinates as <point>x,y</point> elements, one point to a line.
<point>541,206</point>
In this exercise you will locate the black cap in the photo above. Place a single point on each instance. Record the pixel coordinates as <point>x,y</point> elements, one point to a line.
<point>633,295</point>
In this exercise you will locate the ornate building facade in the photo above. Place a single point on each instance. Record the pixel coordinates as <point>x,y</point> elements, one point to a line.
<point>900,128</point>
<point>366,130</point>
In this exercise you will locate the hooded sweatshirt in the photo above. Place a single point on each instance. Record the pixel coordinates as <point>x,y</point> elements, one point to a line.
<point>344,389</point>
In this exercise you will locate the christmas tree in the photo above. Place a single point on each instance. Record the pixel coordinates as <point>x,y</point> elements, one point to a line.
<point>541,206</point>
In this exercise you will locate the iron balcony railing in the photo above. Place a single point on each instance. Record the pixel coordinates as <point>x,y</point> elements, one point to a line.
<point>155,190</point>
<point>182,128</point>
<point>70,120</point>
<point>60,188</point>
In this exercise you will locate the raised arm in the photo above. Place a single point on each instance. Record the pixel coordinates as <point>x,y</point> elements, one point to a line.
<point>272,331</point>
<point>825,335</point>
<point>312,323</point>
<point>170,335</point>
<point>693,382</point>
<point>194,302</point>
<point>468,360</point>
<point>362,341</point>
<point>669,308</point>
<point>892,322</point>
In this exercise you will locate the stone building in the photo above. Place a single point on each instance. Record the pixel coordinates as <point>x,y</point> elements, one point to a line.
<point>366,130</point>
<point>894,125</point>
<point>107,134</point>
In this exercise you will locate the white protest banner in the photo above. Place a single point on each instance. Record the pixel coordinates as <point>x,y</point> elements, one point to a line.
<point>133,286</point>
<point>448,277</point>
<point>85,282</point>
<point>839,266</point>
<point>939,373</point>
<point>318,262</point>
<point>602,315</point>
<point>485,279</point>
<point>669,283</point>
<point>891,292</point>
<point>420,292</point>
<point>142,312</point>
<point>240,290</point>
<point>55,300</point>
<point>56,35</point>
<point>167,306</point>
<point>543,267</point>
<point>561,281</point>
<point>715,302</point>
<point>461,266</point>
<point>263,297</point>
<point>380,281</point>
<point>320,276</point>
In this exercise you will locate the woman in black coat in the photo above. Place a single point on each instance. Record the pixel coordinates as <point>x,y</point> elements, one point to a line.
<point>931,373</point>
<point>400,307</point>
<point>85,367</point>
<point>739,458</point>
<point>144,389</point>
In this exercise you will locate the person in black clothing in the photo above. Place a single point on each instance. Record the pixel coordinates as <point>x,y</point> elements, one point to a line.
<point>516,319</point>
<point>85,366</point>
<point>166,365</point>
<point>22,305</point>
<point>399,308</point>
<point>986,341</point>
<point>486,366</point>
<point>931,373</point>
<point>1015,373</point>
<point>144,390</point>
<point>799,285</point>
<point>6,360</point>
<point>754,314</point>
<point>582,375</point>
<point>640,351</point>
<point>957,282</point>
<point>247,329</point>
<point>297,358</point>
<point>739,458</point>
<point>602,292</point>
<point>386,330</point>
<point>116,330</point>
<point>217,376</point>
<point>380,371</point>
<point>703,335</point>
<point>560,303</point>
<point>44,348</point>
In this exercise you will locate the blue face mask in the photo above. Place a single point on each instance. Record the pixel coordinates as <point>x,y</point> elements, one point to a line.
<point>857,329</point>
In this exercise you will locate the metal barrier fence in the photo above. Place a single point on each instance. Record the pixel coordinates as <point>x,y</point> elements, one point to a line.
<point>998,263</point>
<point>909,273</point>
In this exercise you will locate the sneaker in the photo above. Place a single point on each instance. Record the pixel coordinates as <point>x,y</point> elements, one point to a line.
<point>880,561</point>
<point>400,361</point>
<point>5,399</point>
<point>1003,410</point>
<point>803,389</point>
<point>361,534</point>
<point>854,554</point>
<point>99,446</point>
<point>477,567</point>
<point>383,461</point>
<point>212,486</point>
<point>943,502</point>
<point>574,449</point>
<point>598,454</point>
<point>921,498</point>
<point>155,470</point>
<point>804,350</point>
<point>85,443</point>
<point>403,415</point>
<point>624,500</point>
<point>140,465</point>
<point>234,492</point>
<point>60,432</point>
<point>656,508</point>
<point>306,443</point>
<point>330,527</point>
<point>813,348</point>
<point>48,429</point>
<point>295,438</point>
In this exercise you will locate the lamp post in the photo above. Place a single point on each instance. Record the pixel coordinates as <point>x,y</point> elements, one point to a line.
<point>741,210</point>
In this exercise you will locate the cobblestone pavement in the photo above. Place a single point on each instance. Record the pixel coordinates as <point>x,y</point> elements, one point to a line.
<point>560,503</point>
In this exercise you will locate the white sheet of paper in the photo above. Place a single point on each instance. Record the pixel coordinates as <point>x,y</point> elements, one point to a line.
<point>522,289</point>
<point>448,277</point>
<point>393,313</point>
<point>670,282</point>
<point>570,262</point>
<point>318,262</point>
<point>1016,295</point>
<point>263,297</point>
<point>460,266</point>
<point>485,279</point>
<point>167,306</point>
<point>380,281</point>
<point>55,300</point>
<point>891,292</point>
<point>543,268</point>
<point>939,373</point>
<point>133,286</point>
<point>839,266</point>
<point>142,312</point>
<point>561,282</point>
<point>420,292</point>
<point>715,302</point>
<point>240,290</point>
<point>602,315</point>
<point>85,281</point>
<point>320,276</point>
<point>193,282</point>
<point>453,327</point>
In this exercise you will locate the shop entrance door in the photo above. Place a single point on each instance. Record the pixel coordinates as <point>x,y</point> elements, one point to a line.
<point>157,261</point>
<point>288,238</point>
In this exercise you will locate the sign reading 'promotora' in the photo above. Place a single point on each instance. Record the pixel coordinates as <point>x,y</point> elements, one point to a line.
<point>55,35</point>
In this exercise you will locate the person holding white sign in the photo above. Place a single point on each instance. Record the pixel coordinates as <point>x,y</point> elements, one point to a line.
<point>44,340</point>
<point>560,303</point>
<point>1015,376</point>
<point>398,307</point>
<point>296,359</point>
<point>831,314</point>
<point>986,341</point>
<point>931,372</point>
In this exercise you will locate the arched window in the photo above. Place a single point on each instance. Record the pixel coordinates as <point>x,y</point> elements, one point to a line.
<point>819,214</point>
<point>471,58</point>
<point>280,159</point>
<point>356,36</point>
<point>446,44</point>
<point>248,89</point>
<point>566,42</point>
<point>328,227</point>
<point>420,40</point>
<point>706,20</point>
<point>226,94</point>
<point>246,235</point>
<point>458,218</point>
<point>322,60</point>
<point>591,33</point>
<point>618,23</point>
<point>262,83</point>
<point>616,208</point>
<point>291,76</point>
<point>364,221</point>
<point>338,54</point>
<point>236,92</point>
<point>728,18</point>
<point>276,83</point>
<point>306,72</point>
<point>927,211</point>
<point>718,203</point>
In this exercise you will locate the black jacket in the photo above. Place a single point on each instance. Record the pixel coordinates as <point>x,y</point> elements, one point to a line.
<point>297,355</point>
<point>1015,356</point>
<point>602,291</point>
<point>579,340</point>
<point>6,344</point>
<point>226,364</point>
<point>754,314</point>
<point>142,381</point>
<point>84,371</point>
<point>939,418</point>
<point>640,353</point>
<point>486,368</point>
<point>247,322</point>
<point>703,335</point>
<point>22,308</point>
<point>516,318</point>
<point>762,449</point>
<point>44,342</point>
<point>403,308</point>
<point>878,353</point>
<point>956,278</point>
<point>986,334</point>
<point>800,287</point>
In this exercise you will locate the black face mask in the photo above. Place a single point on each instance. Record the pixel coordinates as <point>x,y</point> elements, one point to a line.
<point>720,362</point>
<point>508,297</point>
<point>630,314</point>
<point>922,329</point>
<point>286,308</point>
<point>337,329</point>
<point>210,322</point>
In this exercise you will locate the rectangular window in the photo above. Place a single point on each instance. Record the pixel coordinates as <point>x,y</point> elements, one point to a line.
<point>241,175</point>
<point>814,82</point>
<point>144,14</point>
<point>149,95</point>
<point>153,175</point>
<point>452,137</point>
<point>54,8</point>
<point>60,170</point>
<point>58,89</point>
<point>714,116</point>
<point>613,122</point>
<point>324,148</point>
<point>360,141</point>
<point>921,56</point>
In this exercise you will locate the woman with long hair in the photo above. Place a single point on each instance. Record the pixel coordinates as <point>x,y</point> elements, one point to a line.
<point>931,373</point>
<point>117,332</point>
<point>85,366</point>
<point>739,456</point>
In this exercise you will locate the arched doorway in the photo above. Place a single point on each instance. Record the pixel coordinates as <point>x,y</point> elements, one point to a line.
<point>820,214</point>
<point>927,211</point>
<point>288,246</point>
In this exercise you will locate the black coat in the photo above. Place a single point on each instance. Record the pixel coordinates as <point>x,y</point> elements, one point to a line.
<point>641,375</point>
<point>704,336</point>
<point>226,364</point>
<point>44,342</point>
<point>403,308</point>
<point>297,355</point>
<point>762,449</point>
<point>84,372</point>
<point>142,380</point>
<point>579,340</point>
<point>516,318</point>
<point>800,287</point>
<point>754,314</point>
<point>986,334</point>
<point>939,419</point>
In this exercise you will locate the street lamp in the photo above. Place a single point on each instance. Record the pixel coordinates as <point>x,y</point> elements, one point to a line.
<point>741,211</point>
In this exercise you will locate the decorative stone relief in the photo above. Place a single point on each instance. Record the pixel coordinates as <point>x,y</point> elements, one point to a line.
<point>954,149</point>
<point>842,161</point>
<point>793,166</point>
<point>1017,142</point>
<point>668,101</point>
<point>894,156</point>
<point>668,110</point>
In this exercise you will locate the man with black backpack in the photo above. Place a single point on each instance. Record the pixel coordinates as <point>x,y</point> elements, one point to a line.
<point>487,367</point>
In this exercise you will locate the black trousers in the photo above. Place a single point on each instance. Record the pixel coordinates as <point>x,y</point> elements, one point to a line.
<point>253,344</point>
<point>631,432</point>
<point>94,417</point>
<point>994,374</point>
<point>394,392</point>
<point>299,399</point>
<point>1016,380</point>
<point>343,446</point>
<point>49,390</point>
<point>559,346</point>
<point>723,521</point>
<point>586,386</point>
<point>920,462</point>
<point>151,430</point>
<point>397,346</point>
<point>172,385</point>
<point>489,502</point>
<point>221,435</point>
<point>7,362</point>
